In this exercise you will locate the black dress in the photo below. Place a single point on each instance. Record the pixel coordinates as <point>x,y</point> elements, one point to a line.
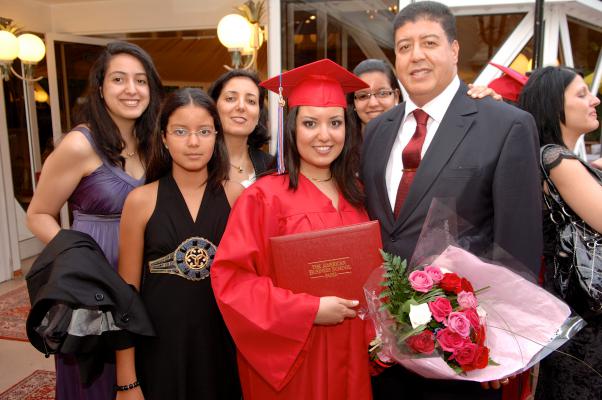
<point>561,377</point>
<point>193,355</point>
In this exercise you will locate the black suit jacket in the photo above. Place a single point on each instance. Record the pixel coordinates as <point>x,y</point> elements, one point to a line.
<point>485,156</point>
<point>73,273</point>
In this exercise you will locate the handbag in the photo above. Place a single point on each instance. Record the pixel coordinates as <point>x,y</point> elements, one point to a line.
<point>578,252</point>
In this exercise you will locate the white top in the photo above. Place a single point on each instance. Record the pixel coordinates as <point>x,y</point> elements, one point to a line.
<point>436,109</point>
<point>249,181</point>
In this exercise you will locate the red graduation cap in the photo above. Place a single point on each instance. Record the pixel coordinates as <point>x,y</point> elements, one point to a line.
<point>510,84</point>
<point>322,83</point>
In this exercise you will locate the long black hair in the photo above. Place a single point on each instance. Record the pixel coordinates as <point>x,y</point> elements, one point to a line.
<point>543,98</point>
<point>260,134</point>
<point>344,168</point>
<point>93,111</point>
<point>160,162</point>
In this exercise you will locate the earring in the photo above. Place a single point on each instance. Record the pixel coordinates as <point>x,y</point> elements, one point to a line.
<point>165,144</point>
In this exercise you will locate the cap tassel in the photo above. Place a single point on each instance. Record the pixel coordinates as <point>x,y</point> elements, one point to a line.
<point>280,137</point>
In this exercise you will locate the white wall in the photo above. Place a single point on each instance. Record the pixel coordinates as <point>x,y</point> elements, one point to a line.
<point>27,14</point>
<point>121,16</point>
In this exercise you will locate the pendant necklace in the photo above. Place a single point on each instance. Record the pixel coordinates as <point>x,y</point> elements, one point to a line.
<point>238,168</point>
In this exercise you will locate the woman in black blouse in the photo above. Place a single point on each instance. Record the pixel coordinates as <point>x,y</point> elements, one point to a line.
<point>564,109</point>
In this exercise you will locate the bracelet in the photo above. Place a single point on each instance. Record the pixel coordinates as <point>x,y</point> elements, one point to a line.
<point>127,387</point>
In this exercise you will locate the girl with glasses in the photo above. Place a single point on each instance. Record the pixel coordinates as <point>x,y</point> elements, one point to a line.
<point>170,231</point>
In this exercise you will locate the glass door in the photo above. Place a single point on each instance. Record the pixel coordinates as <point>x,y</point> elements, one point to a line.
<point>33,118</point>
<point>69,60</point>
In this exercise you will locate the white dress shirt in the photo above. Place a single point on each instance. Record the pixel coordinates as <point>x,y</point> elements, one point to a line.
<point>436,109</point>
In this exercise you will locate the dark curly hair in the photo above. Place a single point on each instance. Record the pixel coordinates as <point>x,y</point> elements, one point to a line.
<point>260,134</point>
<point>430,11</point>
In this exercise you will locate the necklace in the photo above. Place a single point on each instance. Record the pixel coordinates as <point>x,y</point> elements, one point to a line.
<point>321,180</point>
<point>130,155</point>
<point>236,167</point>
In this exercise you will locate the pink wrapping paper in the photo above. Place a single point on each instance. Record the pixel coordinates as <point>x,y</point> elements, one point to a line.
<point>521,318</point>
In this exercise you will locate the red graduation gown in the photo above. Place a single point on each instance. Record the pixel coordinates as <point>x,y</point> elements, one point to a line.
<point>281,353</point>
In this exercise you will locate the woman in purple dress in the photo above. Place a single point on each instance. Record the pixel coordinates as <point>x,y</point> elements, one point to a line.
<point>94,168</point>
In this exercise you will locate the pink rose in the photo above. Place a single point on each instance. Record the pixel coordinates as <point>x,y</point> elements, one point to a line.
<point>467,300</point>
<point>465,354</point>
<point>435,273</point>
<point>420,281</point>
<point>449,340</point>
<point>473,317</point>
<point>458,323</point>
<point>440,308</point>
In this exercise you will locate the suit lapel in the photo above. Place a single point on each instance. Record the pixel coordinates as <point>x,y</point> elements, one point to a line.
<point>386,136</point>
<point>454,126</point>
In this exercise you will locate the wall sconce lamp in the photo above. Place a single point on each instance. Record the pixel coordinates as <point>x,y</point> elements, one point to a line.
<point>28,48</point>
<point>242,35</point>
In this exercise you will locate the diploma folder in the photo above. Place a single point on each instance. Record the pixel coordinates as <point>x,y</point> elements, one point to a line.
<point>329,262</point>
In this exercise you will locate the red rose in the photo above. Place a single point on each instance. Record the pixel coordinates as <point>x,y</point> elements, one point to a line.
<point>440,308</point>
<point>481,359</point>
<point>449,340</point>
<point>467,286</point>
<point>465,354</point>
<point>473,317</point>
<point>451,283</point>
<point>479,335</point>
<point>424,342</point>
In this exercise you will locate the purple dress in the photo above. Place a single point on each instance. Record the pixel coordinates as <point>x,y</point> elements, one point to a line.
<point>97,202</point>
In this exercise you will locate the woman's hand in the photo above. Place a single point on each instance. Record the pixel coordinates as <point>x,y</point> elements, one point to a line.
<point>132,394</point>
<point>333,310</point>
<point>497,383</point>
<point>478,92</point>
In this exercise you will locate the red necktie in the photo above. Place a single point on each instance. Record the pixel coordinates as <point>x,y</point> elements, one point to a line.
<point>411,159</point>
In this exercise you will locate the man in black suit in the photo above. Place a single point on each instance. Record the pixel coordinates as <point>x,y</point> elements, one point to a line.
<point>482,153</point>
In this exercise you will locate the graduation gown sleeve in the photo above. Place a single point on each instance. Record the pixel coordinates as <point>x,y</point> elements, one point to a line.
<point>270,325</point>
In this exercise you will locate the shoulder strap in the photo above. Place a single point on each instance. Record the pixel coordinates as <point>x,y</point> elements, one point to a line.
<point>88,135</point>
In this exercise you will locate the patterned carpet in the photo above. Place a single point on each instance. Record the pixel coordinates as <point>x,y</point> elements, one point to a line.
<point>14,307</point>
<point>37,386</point>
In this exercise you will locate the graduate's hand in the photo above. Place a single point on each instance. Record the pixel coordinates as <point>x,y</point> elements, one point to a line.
<point>497,383</point>
<point>132,394</point>
<point>333,310</point>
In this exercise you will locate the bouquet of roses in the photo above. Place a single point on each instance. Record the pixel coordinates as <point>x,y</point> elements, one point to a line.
<point>429,318</point>
<point>436,309</point>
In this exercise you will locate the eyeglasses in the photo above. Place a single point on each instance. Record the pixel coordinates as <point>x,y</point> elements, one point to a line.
<point>184,133</point>
<point>381,94</point>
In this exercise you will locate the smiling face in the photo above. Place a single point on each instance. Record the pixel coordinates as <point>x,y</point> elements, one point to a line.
<point>238,106</point>
<point>425,61</point>
<point>125,88</point>
<point>192,152</point>
<point>579,109</point>
<point>368,109</point>
<point>320,136</point>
